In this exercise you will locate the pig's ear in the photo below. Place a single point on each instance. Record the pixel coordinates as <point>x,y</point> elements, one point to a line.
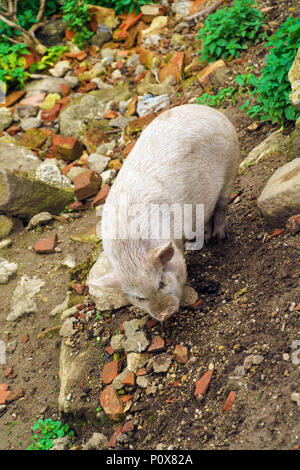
<point>162,254</point>
<point>109,280</point>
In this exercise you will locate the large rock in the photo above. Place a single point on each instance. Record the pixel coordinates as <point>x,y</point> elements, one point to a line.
<point>6,226</point>
<point>72,372</point>
<point>280,199</point>
<point>16,157</point>
<point>275,144</point>
<point>49,85</point>
<point>105,299</point>
<point>294,78</point>
<point>86,111</point>
<point>25,197</point>
<point>51,33</point>
<point>181,7</point>
<point>5,118</point>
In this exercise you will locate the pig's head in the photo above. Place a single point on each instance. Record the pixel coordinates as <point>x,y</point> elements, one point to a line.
<point>152,277</point>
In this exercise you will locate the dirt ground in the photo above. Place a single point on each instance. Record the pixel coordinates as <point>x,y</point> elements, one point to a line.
<point>249,287</point>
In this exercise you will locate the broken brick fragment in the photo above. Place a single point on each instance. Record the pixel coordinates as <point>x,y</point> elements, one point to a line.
<point>86,184</point>
<point>46,245</point>
<point>203,383</point>
<point>110,371</point>
<point>181,353</point>
<point>110,403</point>
<point>101,196</point>
<point>66,148</point>
<point>229,402</point>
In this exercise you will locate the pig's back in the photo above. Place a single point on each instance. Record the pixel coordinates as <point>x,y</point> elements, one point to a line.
<point>185,155</point>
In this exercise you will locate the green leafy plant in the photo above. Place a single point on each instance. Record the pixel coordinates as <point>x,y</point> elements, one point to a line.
<point>121,6</point>
<point>12,65</point>
<point>215,101</point>
<point>272,88</point>
<point>48,60</point>
<point>77,18</point>
<point>48,431</point>
<point>230,30</point>
<point>228,95</point>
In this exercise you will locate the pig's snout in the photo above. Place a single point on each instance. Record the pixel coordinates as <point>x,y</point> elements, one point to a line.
<point>172,308</point>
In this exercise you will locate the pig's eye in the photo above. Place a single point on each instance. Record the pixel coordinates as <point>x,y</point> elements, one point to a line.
<point>141,299</point>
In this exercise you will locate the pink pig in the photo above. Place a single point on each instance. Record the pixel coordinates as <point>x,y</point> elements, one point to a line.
<point>188,155</point>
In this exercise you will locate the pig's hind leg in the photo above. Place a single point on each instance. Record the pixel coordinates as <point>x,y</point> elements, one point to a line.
<point>218,218</point>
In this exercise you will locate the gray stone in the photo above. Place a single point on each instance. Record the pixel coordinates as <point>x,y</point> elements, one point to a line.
<point>117,342</point>
<point>49,85</point>
<point>24,111</point>
<point>5,243</point>
<point>6,226</point>
<point>108,175</point>
<point>72,371</point>
<point>60,69</point>
<point>69,312</point>
<point>61,307</point>
<point>107,148</point>
<point>149,104</point>
<point>190,296</point>
<point>62,443</point>
<point>94,72</point>
<point>120,121</point>
<point>102,35</point>
<point>98,441</point>
<point>71,81</point>
<point>137,342</point>
<point>136,360</point>
<point>152,40</point>
<point>294,78</point>
<point>142,381</point>
<point>275,144</point>
<point>280,198</point>
<point>105,299</point>
<point>133,60</point>
<point>51,33</point>
<point>69,261</point>
<point>117,382</point>
<point>132,326</point>
<point>85,111</point>
<point>24,197</point>
<point>164,88</point>
<point>67,328</point>
<point>75,171</point>
<point>49,173</point>
<point>5,118</point>
<point>7,270</point>
<point>295,396</point>
<point>23,297</point>
<point>108,55</point>
<point>30,123</point>
<point>100,84</point>
<point>181,7</point>
<point>252,359</point>
<point>16,157</point>
<point>97,162</point>
<point>39,219</point>
<point>161,363</point>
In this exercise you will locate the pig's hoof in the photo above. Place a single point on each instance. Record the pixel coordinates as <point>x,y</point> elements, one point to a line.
<point>220,231</point>
<point>208,230</point>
